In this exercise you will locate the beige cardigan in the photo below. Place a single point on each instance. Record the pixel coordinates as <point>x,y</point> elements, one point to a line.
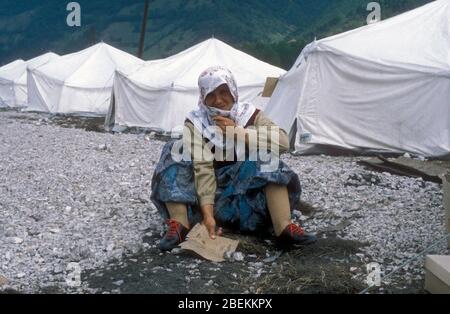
<point>204,176</point>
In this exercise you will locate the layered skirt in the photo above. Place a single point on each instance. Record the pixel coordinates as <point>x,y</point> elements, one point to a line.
<point>240,200</point>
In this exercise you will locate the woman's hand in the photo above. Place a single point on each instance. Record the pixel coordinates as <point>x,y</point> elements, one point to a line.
<point>209,222</point>
<point>223,123</point>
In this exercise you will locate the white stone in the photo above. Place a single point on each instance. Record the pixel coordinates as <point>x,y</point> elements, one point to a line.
<point>15,240</point>
<point>118,283</point>
<point>238,256</point>
<point>21,275</point>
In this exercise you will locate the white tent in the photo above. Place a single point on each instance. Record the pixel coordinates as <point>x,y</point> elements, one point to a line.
<point>382,87</point>
<point>78,83</point>
<point>160,94</point>
<point>13,80</point>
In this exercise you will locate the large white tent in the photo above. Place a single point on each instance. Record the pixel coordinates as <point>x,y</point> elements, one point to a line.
<point>382,87</point>
<point>78,83</point>
<point>13,80</point>
<point>161,93</point>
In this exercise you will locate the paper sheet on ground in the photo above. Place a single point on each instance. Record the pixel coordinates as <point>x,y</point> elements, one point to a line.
<point>198,241</point>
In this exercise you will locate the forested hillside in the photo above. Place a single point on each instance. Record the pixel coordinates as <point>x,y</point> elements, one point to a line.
<point>273,30</point>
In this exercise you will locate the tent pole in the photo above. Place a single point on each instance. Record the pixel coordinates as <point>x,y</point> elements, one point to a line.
<point>143,28</point>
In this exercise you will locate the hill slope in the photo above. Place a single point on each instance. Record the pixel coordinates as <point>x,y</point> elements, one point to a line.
<point>273,30</point>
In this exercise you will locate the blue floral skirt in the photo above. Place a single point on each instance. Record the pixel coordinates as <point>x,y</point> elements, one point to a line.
<point>240,201</point>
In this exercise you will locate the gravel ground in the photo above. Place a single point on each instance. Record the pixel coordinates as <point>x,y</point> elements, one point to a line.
<point>68,195</point>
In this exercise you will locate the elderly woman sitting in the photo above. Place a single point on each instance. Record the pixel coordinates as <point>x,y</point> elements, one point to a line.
<point>238,192</point>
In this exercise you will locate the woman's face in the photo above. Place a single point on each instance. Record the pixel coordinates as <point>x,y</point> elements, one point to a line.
<point>220,98</point>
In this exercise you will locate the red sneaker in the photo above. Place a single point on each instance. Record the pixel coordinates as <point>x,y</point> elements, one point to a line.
<point>295,235</point>
<point>175,234</point>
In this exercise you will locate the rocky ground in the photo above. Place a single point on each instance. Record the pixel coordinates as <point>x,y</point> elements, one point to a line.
<point>75,198</point>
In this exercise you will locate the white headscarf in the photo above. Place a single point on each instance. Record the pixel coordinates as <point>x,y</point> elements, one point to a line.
<point>240,113</point>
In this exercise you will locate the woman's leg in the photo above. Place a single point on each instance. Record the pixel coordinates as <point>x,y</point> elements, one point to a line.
<point>279,208</point>
<point>178,212</point>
